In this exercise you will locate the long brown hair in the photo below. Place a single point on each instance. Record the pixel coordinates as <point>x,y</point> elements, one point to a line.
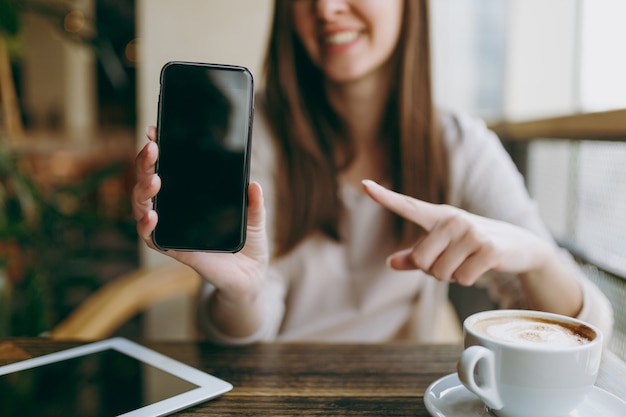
<point>308,131</point>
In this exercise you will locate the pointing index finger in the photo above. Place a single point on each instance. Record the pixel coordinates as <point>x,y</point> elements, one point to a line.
<point>418,211</point>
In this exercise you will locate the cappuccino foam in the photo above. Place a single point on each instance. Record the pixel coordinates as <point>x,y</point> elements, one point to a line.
<point>535,331</point>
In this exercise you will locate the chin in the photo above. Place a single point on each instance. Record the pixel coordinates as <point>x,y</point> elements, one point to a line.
<point>350,71</point>
<point>345,76</point>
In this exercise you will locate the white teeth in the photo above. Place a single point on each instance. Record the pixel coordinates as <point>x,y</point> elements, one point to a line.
<point>341,38</point>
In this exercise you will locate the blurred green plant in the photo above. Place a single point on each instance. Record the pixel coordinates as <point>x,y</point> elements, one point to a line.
<point>21,207</point>
<point>49,244</point>
<point>50,241</point>
<point>9,16</point>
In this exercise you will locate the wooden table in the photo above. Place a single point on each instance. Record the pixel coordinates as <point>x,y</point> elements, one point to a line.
<point>313,379</point>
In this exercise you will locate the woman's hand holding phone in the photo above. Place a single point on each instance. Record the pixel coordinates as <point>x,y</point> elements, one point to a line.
<point>239,276</point>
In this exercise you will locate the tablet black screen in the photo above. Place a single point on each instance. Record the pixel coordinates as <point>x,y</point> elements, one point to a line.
<point>101,384</point>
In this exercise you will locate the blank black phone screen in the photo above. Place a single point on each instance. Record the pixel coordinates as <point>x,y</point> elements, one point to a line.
<point>203,133</point>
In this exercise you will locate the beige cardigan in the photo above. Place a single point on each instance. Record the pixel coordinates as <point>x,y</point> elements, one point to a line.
<point>344,292</point>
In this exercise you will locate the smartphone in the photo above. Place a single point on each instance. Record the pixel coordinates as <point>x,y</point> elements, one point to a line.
<point>204,131</point>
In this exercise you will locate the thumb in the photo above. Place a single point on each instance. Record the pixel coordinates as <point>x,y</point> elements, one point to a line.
<point>256,206</point>
<point>401,260</point>
<point>256,235</point>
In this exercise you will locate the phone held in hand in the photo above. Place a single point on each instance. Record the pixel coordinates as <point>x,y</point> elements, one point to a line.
<point>204,131</point>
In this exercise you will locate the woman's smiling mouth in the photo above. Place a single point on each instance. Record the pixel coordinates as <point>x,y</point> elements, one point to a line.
<point>340,38</point>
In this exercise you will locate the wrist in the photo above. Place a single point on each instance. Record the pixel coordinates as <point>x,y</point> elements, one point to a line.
<point>236,299</point>
<point>235,316</point>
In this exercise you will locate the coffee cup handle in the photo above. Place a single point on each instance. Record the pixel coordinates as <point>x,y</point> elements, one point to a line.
<point>471,359</point>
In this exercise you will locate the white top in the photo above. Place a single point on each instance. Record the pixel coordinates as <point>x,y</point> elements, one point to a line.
<point>343,291</point>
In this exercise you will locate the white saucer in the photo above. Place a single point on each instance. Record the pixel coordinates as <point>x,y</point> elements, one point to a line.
<point>448,397</point>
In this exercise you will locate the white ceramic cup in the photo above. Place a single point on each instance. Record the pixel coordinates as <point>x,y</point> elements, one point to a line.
<point>527,363</point>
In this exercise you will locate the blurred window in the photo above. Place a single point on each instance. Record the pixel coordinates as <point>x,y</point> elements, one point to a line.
<point>469,41</point>
<point>598,223</point>
<point>602,54</point>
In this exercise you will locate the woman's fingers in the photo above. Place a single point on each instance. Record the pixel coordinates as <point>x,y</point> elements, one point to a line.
<point>147,156</point>
<point>457,245</point>
<point>443,252</point>
<point>256,208</point>
<point>465,242</point>
<point>464,269</point>
<point>472,268</point>
<point>420,212</point>
<point>256,244</point>
<point>147,183</point>
<point>143,192</point>
<point>151,133</point>
<point>146,160</point>
<point>145,226</point>
<point>441,243</point>
<point>402,260</point>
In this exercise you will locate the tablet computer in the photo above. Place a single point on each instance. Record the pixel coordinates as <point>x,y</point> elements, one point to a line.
<point>113,377</point>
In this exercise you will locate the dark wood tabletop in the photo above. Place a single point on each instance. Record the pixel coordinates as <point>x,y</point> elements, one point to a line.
<point>313,379</point>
